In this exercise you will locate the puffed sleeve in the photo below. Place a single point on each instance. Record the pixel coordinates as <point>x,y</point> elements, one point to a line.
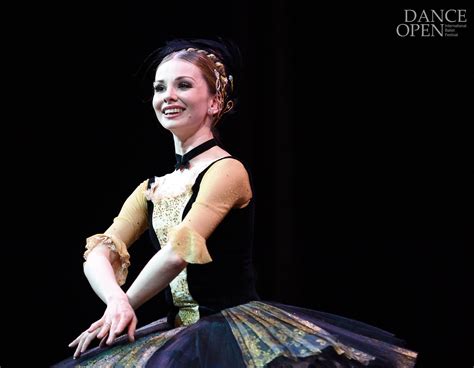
<point>225,186</point>
<point>126,228</point>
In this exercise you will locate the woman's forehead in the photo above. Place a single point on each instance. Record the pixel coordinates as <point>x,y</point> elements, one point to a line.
<point>177,67</point>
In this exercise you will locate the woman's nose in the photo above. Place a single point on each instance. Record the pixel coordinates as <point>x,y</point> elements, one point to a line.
<point>170,95</point>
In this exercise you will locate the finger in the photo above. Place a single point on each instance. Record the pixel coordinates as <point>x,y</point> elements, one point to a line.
<point>104,330</point>
<point>116,329</point>
<point>96,325</point>
<point>74,342</point>
<point>87,341</point>
<point>112,335</point>
<point>131,330</point>
<point>103,341</point>
<point>80,348</point>
<point>121,325</point>
<point>77,352</point>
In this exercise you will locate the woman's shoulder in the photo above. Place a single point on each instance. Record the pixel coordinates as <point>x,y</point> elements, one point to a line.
<point>226,167</point>
<point>227,178</point>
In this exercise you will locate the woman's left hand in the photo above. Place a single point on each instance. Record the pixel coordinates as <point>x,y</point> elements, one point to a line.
<point>83,341</point>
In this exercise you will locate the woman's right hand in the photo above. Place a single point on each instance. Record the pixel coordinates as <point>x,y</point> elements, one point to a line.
<point>118,315</point>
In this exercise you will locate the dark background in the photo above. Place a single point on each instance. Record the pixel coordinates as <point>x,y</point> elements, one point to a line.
<point>357,140</point>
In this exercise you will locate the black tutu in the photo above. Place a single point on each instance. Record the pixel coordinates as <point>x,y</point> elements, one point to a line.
<point>255,334</point>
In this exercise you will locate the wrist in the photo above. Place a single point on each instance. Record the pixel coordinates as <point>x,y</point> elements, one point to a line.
<point>115,295</point>
<point>132,300</point>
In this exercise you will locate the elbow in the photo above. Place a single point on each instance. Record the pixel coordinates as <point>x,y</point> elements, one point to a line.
<point>175,261</point>
<point>88,266</point>
<point>178,263</point>
<point>95,260</point>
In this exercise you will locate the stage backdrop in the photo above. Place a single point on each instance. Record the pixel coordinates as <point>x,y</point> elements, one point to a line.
<point>354,123</point>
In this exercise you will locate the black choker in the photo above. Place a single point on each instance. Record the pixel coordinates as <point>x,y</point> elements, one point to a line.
<point>182,161</point>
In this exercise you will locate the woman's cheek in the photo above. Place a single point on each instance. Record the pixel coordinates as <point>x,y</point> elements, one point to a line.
<point>155,103</point>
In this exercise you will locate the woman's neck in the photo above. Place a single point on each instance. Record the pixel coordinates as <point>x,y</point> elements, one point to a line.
<point>181,146</point>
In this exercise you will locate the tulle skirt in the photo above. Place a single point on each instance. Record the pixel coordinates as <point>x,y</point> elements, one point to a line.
<point>255,334</point>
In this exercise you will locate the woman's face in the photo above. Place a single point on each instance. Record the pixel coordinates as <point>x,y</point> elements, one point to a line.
<point>182,98</point>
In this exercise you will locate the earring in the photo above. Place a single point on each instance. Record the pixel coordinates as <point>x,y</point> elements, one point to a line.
<point>209,111</point>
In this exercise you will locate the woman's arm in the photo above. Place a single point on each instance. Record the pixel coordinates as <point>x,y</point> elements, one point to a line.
<point>106,265</point>
<point>162,268</point>
<point>107,257</point>
<point>225,186</point>
<point>100,274</point>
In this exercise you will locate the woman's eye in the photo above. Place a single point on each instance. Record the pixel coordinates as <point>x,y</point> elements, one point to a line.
<point>158,88</point>
<point>184,85</point>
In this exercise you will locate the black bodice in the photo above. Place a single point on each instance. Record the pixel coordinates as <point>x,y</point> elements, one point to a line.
<point>228,280</point>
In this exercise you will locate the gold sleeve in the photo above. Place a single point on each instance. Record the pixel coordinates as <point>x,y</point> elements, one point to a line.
<point>189,245</point>
<point>126,228</point>
<point>225,186</point>
<point>131,221</point>
<point>119,264</point>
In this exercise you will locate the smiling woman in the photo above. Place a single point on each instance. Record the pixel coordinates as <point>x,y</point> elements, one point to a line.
<point>179,100</point>
<point>200,220</point>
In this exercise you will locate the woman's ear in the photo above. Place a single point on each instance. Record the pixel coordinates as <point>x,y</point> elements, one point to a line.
<point>214,107</point>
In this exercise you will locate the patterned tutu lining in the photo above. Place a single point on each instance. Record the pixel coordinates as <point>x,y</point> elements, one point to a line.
<point>255,334</point>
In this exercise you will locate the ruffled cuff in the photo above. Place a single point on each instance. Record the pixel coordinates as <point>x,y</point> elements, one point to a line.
<point>189,245</point>
<point>120,265</point>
